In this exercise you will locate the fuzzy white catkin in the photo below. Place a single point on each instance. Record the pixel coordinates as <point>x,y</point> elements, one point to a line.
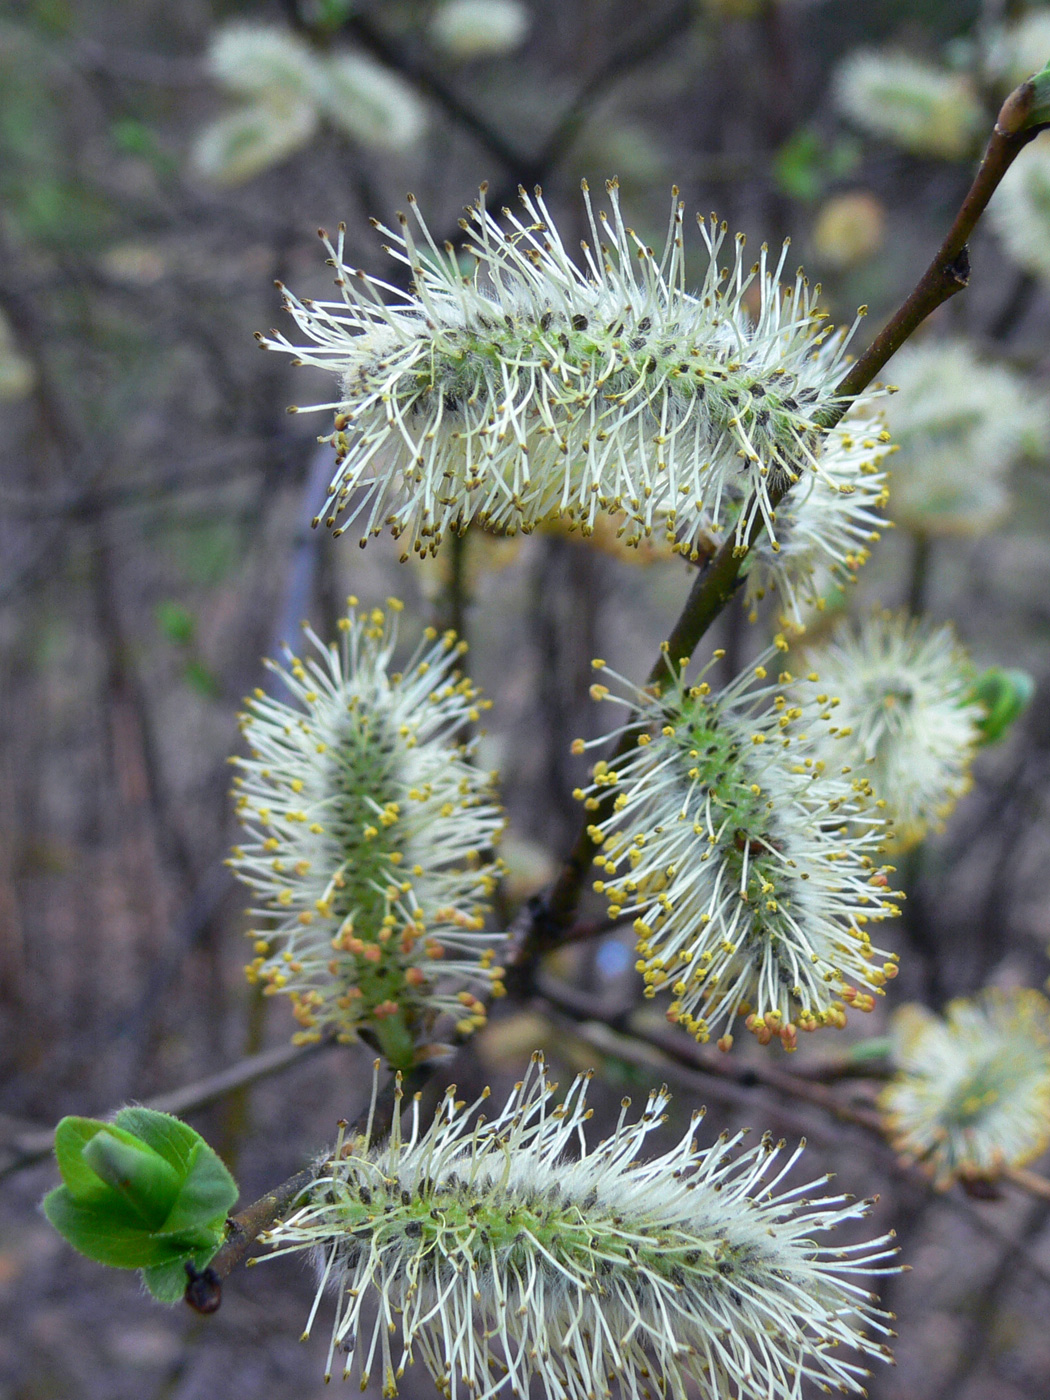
<point>959,423</point>
<point>369,103</point>
<point>468,29</point>
<point>972,1091</point>
<point>1017,51</point>
<point>531,387</point>
<point>262,61</point>
<point>368,835</point>
<point>1020,211</point>
<point>924,109</point>
<point>745,856</point>
<point>286,88</point>
<point>902,714</point>
<point>513,1251</point>
<point>243,143</point>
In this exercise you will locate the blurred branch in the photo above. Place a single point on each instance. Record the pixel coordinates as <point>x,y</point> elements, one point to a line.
<point>636,48</point>
<point>628,1048</point>
<point>212,471</point>
<point>133,744</point>
<point>989,1304</point>
<point>949,272</point>
<point>433,85</point>
<point>28,1146</point>
<point>137,65</point>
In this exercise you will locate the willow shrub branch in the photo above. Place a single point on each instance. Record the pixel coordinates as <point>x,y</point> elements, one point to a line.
<point>1023,115</point>
<point>544,919</point>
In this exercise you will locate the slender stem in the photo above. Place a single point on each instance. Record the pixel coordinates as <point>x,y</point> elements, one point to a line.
<point>713,587</point>
<point>949,272</point>
<point>204,1291</point>
<point>456,598</point>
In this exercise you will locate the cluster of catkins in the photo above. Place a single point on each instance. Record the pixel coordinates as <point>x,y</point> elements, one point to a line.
<point>740,828</point>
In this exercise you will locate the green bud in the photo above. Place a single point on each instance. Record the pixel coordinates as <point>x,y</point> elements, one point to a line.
<point>1028,106</point>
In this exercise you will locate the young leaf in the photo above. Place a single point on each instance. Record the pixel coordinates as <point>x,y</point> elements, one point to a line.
<point>205,1196</point>
<point>144,1192</point>
<point>105,1231</point>
<point>141,1177</point>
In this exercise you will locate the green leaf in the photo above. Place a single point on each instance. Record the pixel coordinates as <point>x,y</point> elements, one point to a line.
<point>1004,694</point>
<point>144,1192</point>
<point>105,1231</point>
<point>71,1137</point>
<point>167,1282</point>
<point>166,1134</point>
<point>797,165</point>
<point>141,1177</point>
<point>199,678</point>
<point>877,1048</point>
<point>206,1195</point>
<point>332,14</point>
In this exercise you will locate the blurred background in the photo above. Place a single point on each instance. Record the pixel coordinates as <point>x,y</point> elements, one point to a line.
<point>161,164</point>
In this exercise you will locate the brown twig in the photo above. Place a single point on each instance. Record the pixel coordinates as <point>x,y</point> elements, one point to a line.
<point>34,1144</point>
<point>204,1290</point>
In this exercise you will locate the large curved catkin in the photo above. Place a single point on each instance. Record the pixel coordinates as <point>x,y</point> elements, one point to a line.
<point>512,1250</point>
<point>744,853</point>
<point>531,385</point>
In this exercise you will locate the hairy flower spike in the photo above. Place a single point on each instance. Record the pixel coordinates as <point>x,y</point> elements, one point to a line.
<point>745,859</point>
<point>1016,51</point>
<point>902,714</point>
<point>368,837</point>
<point>826,524</point>
<point>918,107</point>
<point>511,1250</point>
<point>972,1092</point>
<point>960,424</point>
<point>533,386</point>
<point>286,88</point>
<point>1020,211</point>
